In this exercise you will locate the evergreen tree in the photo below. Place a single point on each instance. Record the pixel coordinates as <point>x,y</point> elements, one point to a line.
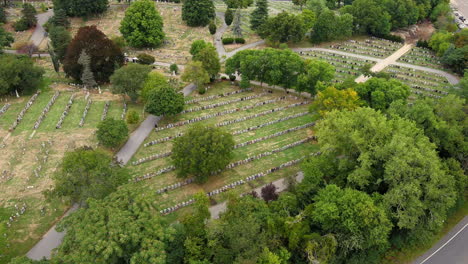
<point>237,30</point>
<point>60,38</point>
<point>87,77</point>
<point>259,15</point>
<point>3,18</point>
<point>198,13</point>
<point>228,16</point>
<point>6,38</point>
<point>81,8</point>
<point>54,58</point>
<point>60,18</point>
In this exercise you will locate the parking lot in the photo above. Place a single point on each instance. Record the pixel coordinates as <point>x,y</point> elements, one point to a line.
<point>460,8</point>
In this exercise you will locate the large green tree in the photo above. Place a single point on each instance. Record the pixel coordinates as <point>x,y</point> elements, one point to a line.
<point>6,38</point>
<point>122,228</point>
<point>18,73</point>
<point>106,57</point>
<point>330,26</point>
<point>260,14</point>
<point>111,133</point>
<point>209,59</point>
<point>154,81</point>
<point>28,19</point>
<point>129,79</point>
<point>283,28</point>
<point>86,173</point>
<point>380,93</point>
<point>164,101</point>
<point>60,39</point>
<point>81,8</point>
<point>202,151</point>
<point>238,3</point>
<point>198,13</point>
<point>316,73</point>
<point>142,25</point>
<point>196,73</point>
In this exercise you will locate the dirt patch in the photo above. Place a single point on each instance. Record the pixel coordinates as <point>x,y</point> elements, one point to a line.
<point>413,33</point>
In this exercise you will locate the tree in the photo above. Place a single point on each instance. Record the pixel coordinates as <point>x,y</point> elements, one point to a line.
<point>260,14</point>
<point>269,193</point>
<point>60,39</point>
<point>18,73</point>
<point>380,93</point>
<point>317,6</point>
<point>300,3</point>
<point>194,72</point>
<point>212,28</point>
<point>111,133</point>
<point>164,101</point>
<point>387,158</point>
<point>197,46</point>
<point>6,38</point>
<point>105,55</point>
<point>236,28</point>
<point>198,13</point>
<point>309,18</point>
<point>283,28</point>
<point>154,81</point>
<point>208,56</point>
<point>96,234</point>
<point>334,99</point>
<point>81,8</point>
<point>87,77</point>
<point>369,16</point>
<point>54,58</point>
<point>352,216</point>
<point>236,4</point>
<point>228,16</point>
<point>456,58</point>
<point>202,151</point>
<point>145,59</point>
<point>316,73</point>
<point>440,42</point>
<point>129,79</point>
<point>402,12</point>
<point>132,117</point>
<point>174,68</point>
<point>59,19</point>
<point>3,17</point>
<point>86,173</point>
<point>28,20</point>
<point>142,25</point>
<point>330,26</point>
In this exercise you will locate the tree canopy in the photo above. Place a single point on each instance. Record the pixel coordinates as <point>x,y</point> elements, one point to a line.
<point>198,13</point>
<point>260,14</point>
<point>142,25</point>
<point>202,151</point>
<point>60,39</point>
<point>164,100</point>
<point>130,79</point>
<point>196,73</point>
<point>209,58</point>
<point>154,81</point>
<point>333,99</point>
<point>6,39</point>
<point>105,55</point>
<point>18,73</point>
<point>284,27</point>
<point>81,8</point>
<point>380,93</point>
<point>316,73</point>
<point>111,133</point>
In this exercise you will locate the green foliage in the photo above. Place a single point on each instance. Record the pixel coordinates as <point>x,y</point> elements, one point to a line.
<point>238,3</point>
<point>60,39</point>
<point>142,25</point>
<point>86,173</point>
<point>26,260</point>
<point>119,41</point>
<point>244,83</point>
<point>333,99</point>
<point>18,73</point>
<point>164,101</point>
<point>6,38</point>
<point>81,8</point>
<point>198,13</point>
<point>389,158</point>
<point>300,3</point>
<point>3,17</point>
<point>145,59</point>
<point>330,26</point>
<point>129,79</point>
<point>112,133</point>
<point>212,28</point>
<point>352,216</point>
<point>316,73</point>
<point>197,46</point>
<point>122,228</point>
<point>440,42</point>
<point>174,68</point>
<point>380,93</point>
<point>208,56</point>
<point>317,6</point>
<point>202,151</point>
<point>402,12</point>
<point>228,16</point>
<point>283,28</point>
<point>154,81</point>
<point>456,58</point>
<point>133,117</point>
<point>87,77</point>
<point>236,27</point>
<point>260,14</point>
<point>105,55</point>
<point>59,19</point>
<point>194,72</point>
<point>28,20</point>
<point>309,18</point>
<point>370,16</point>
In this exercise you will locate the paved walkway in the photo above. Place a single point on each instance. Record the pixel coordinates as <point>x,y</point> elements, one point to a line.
<point>39,33</point>
<point>142,132</point>
<point>219,35</point>
<point>51,240</point>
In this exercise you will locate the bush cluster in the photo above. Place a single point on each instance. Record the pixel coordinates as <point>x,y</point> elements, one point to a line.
<point>227,41</point>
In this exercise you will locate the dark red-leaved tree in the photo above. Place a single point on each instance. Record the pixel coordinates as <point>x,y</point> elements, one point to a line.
<point>269,193</point>
<point>106,57</point>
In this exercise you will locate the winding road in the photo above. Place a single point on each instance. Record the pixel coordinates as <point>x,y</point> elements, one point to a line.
<point>39,33</point>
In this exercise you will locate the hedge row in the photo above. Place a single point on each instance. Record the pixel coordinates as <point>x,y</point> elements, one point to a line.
<point>233,40</point>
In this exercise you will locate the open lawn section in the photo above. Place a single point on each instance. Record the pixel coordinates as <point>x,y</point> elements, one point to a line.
<point>241,172</point>
<point>115,110</point>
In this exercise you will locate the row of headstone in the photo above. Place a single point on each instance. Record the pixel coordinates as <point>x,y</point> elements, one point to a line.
<point>426,94</point>
<point>422,61</point>
<point>233,184</point>
<point>277,134</point>
<point>333,60</point>
<point>65,112</point>
<point>333,56</point>
<point>428,89</point>
<point>19,212</point>
<point>418,84</point>
<point>4,108</point>
<point>152,174</point>
<point>23,112</point>
<point>85,112</point>
<point>196,100</point>
<point>46,109</point>
<point>175,185</point>
<point>355,49</point>
<point>42,157</point>
<point>105,110</point>
<point>279,120</point>
<point>241,119</point>
<point>152,157</point>
<point>124,111</point>
<point>375,44</point>
<point>434,78</point>
<point>382,40</point>
<point>226,112</point>
<point>211,106</point>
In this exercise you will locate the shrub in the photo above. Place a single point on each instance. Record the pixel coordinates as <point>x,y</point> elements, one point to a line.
<point>228,16</point>
<point>111,133</point>
<point>212,28</point>
<point>146,59</point>
<point>239,40</point>
<point>132,117</point>
<point>201,90</point>
<point>223,78</point>
<point>232,77</point>
<point>174,68</point>
<point>165,101</point>
<point>21,25</point>
<point>227,41</point>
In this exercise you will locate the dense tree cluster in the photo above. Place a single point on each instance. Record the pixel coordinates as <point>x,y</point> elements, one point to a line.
<point>129,80</point>
<point>28,18</point>
<point>380,93</point>
<point>283,28</point>
<point>81,8</point>
<point>206,53</point>
<point>6,39</point>
<point>106,57</point>
<point>452,48</point>
<point>19,74</point>
<point>198,13</point>
<point>142,25</point>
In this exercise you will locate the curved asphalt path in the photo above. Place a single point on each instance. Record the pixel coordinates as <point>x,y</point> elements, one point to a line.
<point>39,33</point>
